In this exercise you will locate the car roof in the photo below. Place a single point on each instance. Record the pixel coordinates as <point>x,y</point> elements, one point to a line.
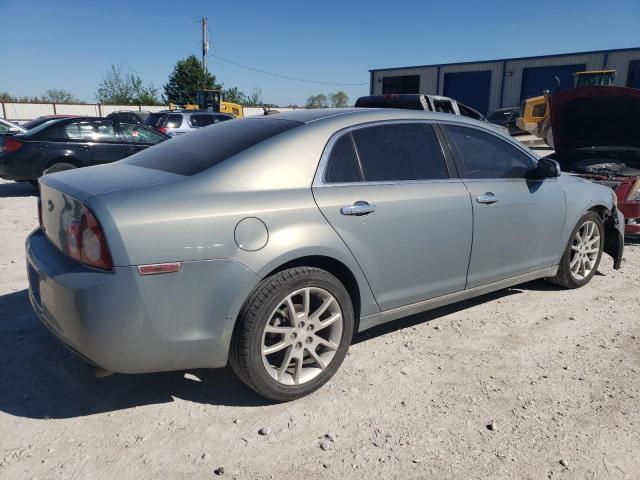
<point>362,115</point>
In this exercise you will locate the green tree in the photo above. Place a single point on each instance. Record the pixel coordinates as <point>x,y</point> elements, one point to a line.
<point>119,87</point>
<point>57,95</point>
<point>186,79</point>
<point>339,99</point>
<point>235,95</point>
<point>317,101</point>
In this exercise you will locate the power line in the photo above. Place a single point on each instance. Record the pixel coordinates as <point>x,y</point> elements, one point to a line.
<point>287,77</point>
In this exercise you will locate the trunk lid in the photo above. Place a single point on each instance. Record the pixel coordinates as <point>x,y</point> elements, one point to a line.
<point>588,117</point>
<point>63,194</point>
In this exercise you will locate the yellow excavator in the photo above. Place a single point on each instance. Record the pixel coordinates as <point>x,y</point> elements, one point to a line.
<point>213,101</point>
<point>535,113</point>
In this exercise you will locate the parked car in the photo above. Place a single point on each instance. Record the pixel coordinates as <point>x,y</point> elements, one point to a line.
<point>429,103</point>
<point>130,116</point>
<point>178,122</point>
<point>68,143</point>
<point>294,232</point>
<point>506,117</point>
<point>31,124</point>
<point>596,136</point>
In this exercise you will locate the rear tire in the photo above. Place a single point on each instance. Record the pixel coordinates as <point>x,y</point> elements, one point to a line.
<point>59,167</point>
<point>292,333</point>
<point>582,254</point>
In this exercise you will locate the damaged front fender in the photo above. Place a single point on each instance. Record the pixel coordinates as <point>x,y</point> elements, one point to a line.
<point>614,236</point>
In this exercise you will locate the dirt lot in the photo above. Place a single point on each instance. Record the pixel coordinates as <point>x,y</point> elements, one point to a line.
<point>556,372</point>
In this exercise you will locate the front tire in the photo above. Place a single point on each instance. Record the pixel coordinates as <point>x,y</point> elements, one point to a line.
<point>582,254</point>
<point>292,333</point>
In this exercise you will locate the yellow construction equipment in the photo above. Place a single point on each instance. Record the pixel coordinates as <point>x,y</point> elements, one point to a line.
<point>535,115</point>
<point>211,100</point>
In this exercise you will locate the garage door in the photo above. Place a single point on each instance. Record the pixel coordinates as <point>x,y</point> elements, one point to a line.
<point>537,79</point>
<point>470,88</point>
<point>633,77</point>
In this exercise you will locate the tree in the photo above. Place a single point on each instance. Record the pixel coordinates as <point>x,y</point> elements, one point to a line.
<point>317,101</point>
<point>339,99</point>
<point>120,87</point>
<point>7,97</point>
<point>235,95</point>
<point>186,79</point>
<point>255,97</point>
<point>57,95</point>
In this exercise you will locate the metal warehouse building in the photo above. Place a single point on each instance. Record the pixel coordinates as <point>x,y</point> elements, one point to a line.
<point>491,84</point>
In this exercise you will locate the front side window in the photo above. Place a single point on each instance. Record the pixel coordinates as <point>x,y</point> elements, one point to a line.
<point>487,156</point>
<point>402,151</point>
<point>91,131</point>
<point>140,134</point>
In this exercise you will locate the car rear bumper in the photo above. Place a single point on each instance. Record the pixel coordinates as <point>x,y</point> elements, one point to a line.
<point>124,322</point>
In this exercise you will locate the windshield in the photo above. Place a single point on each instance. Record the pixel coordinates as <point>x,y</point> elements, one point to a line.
<point>209,146</point>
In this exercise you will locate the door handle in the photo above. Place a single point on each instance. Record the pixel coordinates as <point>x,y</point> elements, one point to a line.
<point>488,198</point>
<point>358,209</point>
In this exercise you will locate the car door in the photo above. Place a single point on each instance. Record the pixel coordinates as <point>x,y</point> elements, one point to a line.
<point>517,221</point>
<point>94,142</point>
<point>137,137</point>
<point>390,193</point>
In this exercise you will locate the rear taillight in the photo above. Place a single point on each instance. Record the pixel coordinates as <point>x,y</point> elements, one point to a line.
<point>86,242</point>
<point>11,144</point>
<point>162,130</point>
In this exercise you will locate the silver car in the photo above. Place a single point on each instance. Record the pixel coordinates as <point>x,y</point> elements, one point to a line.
<point>179,122</point>
<point>271,249</point>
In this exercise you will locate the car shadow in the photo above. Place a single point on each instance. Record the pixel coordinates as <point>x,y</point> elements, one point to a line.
<point>40,378</point>
<point>18,189</point>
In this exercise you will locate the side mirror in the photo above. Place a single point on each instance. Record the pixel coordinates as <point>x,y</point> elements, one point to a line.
<point>547,168</point>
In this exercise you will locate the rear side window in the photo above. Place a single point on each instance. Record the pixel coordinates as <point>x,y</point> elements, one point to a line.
<point>205,148</point>
<point>153,119</point>
<point>443,106</point>
<point>93,131</point>
<point>404,151</point>
<point>487,156</point>
<point>343,163</point>
<point>201,120</point>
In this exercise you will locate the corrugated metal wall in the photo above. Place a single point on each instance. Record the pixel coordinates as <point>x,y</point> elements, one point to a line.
<point>508,93</point>
<point>514,68</point>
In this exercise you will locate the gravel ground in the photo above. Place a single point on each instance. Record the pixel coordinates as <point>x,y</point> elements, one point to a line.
<point>530,382</point>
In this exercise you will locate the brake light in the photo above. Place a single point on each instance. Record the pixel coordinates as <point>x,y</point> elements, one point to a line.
<point>11,144</point>
<point>86,243</point>
<point>162,130</point>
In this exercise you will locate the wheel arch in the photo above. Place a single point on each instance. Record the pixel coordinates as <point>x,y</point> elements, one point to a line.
<point>336,268</point>
<point>613,239</point>
<point>64,159</point>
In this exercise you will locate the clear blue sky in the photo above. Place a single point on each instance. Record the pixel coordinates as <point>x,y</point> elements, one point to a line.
<point>70,43</point>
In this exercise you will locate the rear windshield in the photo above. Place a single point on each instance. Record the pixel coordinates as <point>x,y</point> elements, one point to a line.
<point>209,146</point>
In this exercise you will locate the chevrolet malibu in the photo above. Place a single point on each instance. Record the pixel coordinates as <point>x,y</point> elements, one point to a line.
<point>268,242</point>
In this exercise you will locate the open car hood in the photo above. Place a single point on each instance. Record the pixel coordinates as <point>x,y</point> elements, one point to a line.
<point>588,117</point>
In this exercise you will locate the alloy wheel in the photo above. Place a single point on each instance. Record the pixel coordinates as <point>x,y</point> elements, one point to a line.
<point>585,248</point>
<point>302,335</point>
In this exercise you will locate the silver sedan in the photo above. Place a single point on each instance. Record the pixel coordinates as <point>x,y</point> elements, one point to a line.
<point>268,242</point>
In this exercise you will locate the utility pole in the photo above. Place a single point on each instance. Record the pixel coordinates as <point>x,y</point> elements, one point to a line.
<point>205,44</point>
